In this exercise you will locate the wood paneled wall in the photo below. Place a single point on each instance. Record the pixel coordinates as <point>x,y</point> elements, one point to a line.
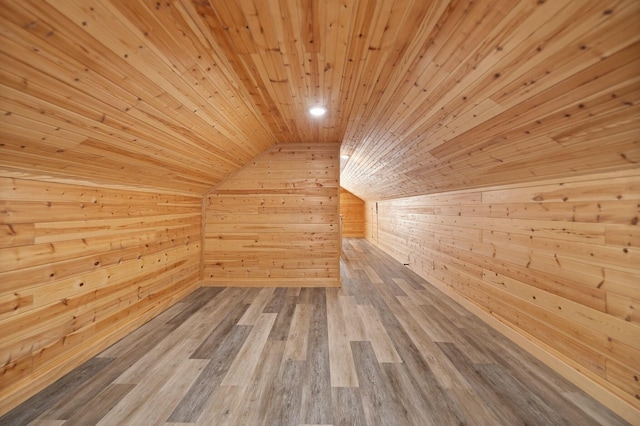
<point>79,268</point>
<point>556,262</point>
<point>352,211</point>
<point>276,222</point>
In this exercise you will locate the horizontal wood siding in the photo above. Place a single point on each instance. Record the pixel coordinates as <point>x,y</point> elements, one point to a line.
<point>352,212</point>
<point>276,222</point>
<point>558,262</point>
<point>79,268</point>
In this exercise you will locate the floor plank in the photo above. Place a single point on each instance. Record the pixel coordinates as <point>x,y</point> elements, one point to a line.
<point>260,390</point>
<point>296,346</point>
<point>245,363</point>
<point>284,406</point>
<point>377,335</point>
<point>315,406</point>
<point>161,404</point>
<point>57,392</point>
<point>386,348</point>
<point>194,402</point>
<point>97,408</point>
<point>347,405</point>
<point>380,403</point>
<point>343,371</point>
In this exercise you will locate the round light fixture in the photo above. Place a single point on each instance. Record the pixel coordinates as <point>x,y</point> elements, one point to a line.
<point>317,111</point>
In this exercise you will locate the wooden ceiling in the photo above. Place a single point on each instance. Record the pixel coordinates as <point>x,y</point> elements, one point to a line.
<point>425,96</point>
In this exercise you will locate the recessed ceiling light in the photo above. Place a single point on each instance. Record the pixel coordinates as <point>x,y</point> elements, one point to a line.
<point>344,156</point>
<point>317,111</point>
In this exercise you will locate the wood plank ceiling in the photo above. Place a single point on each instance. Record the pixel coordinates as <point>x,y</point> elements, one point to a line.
<point>425,96</point>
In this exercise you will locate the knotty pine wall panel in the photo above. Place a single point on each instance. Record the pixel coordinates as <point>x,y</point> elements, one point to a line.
<point>352,211</point>
<point>277,221</point>
<point>82,266</point>
<point>557,262</point>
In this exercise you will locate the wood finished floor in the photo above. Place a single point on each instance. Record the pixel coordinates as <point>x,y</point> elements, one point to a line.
<point>386,349</point>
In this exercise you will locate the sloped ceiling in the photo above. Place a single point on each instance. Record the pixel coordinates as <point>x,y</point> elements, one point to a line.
<point>425,96</point>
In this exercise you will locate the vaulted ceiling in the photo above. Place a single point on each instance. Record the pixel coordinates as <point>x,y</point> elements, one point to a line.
<point>424,96</point>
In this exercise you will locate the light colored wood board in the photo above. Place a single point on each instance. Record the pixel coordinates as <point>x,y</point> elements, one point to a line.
<point>264,378</point>
<point>446,375</point>
<point>243,366</point>
<point>297,339</point>
<point>342,370</point>
<point>600,191</point>
<point>623,307</point>
<point>353,321</point>
<point>273,228</point>
<point>435,332</point>
<point>620,212</point>
<point>276,274</point>
<point>47,422</point>
<point>376,334</point>
<point>624,377</point>
<point>187,336</point>
<point>36,190</point>
<point>95,279</point>
<point>261,282</point>
<point>621,235</point>
<point>594,320</point>
<point>167,397</point>
<point>257,307</point>
<point>591,254</point>
<point>48,273</point>
<point>34,212</point>
<point>223,406</point>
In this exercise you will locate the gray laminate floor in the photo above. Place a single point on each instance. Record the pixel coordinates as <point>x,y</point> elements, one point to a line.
<point>386,349</point>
